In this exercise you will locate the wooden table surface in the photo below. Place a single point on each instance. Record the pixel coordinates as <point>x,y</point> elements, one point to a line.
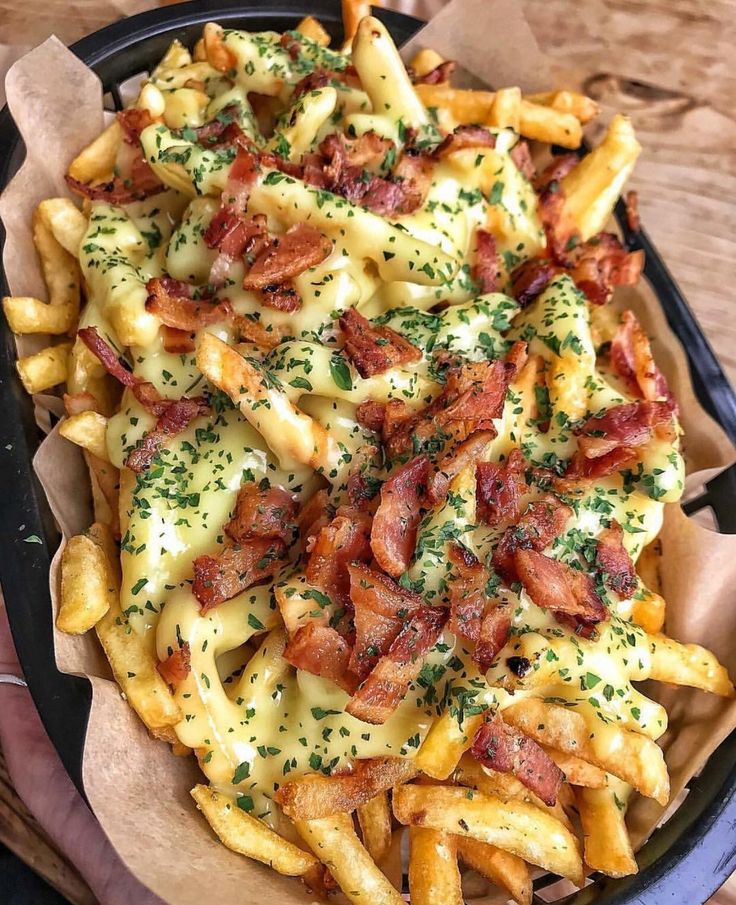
<point>666,63</point>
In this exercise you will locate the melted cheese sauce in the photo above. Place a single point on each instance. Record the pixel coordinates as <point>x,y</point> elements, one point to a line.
<point>251,718</point>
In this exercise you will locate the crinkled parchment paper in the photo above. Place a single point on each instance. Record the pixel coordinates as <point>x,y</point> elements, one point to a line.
<point>137,789</point>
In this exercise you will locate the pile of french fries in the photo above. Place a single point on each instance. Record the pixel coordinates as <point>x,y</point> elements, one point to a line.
<point>344,830</point>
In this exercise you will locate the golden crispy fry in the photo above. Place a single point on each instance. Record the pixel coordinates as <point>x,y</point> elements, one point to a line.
<point>199,54</point>
<point>88,430</point>
<point>60,268</point>
<point>425,61</point>
<point>689,664</point>
<point>548,124</point>
<point>87,585</point>
<point>314,796</point>
<point>374,818</point>
<point>515,826</point>
<point>648,565</point>
<point>335,843</point>
<point>579,105</point>
<point>176,57</point>
<point>45,369</point>
<point>28,315</point>
<point>219,56</point>
<point>445,744</point>
<point>352,12</point>
<point>630,756</point>
<point>95,163</point>
<point>649,610</point>
<point>314,30</point>
<point>133,665</point>
<point>592,188</point>
<point>86,375</point>
<point>67,223</point>
<point>606,839</point>
<point>506,109</point>
<point>502,868</point>
<point>469,107</point>
<point>577,771</point>
<point>434,877</point>
<point>251,837</point>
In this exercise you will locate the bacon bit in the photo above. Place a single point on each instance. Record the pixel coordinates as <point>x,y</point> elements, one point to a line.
<point>252,331</point>
<point>219,55</point>
<point>465,137</point>
<point>281,297</point>
<point>321,651</point>
<point>291,45</point>
<point>485,271</point>
<point>394,531</point>
<point>367,151</point>
<point>522,158</point>
<point>591,469</point>
<point>176,341</point>
<point>106,355</point>
<point>495,628</point>
<point>388,683</point>
<point>234,236</point>
<point>553,174</point>
<point>141,184</point>
<point>629,425</point>
<point>555,586</point>
<point>507,750</point>
<point>176,416</point>
<point>312,82</point>
<point>414,174</point>
<point>440,75</point>
<point>601,263</point>
<point>76,403</point>
<point>171,301</point>
<point>633,221</point>
<point>268,512</point>
<point>286,256</point>
<point>362,487</point>
<point>374,349</point>
<point>371,414</point>
<point>613,560</point>
<point>530,279</point>
<point>344,540</point>
<point>518,355</point>
<point>499,486</point>
<point>540,524</point>
<point>466,593</point>
<point>133,121</point>
<point>632,359</point>
<point>234,570</point>
<point>177,666</point>
<point>381,607</point>
<point>454,461</point>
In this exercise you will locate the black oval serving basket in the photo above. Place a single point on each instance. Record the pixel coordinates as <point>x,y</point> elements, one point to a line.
<point>685,860</point>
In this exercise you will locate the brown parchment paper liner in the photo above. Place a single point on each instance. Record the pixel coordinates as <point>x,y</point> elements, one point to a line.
<point>137,789</point>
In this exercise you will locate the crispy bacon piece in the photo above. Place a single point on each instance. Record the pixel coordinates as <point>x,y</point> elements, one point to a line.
<point>322,651</point>
<point>467,593</point>
<point>632,359</point>
<point>141,183</point>
<point>518,355</point>
<point>485,271</point>
<point>362,486</point>
<point>177,666</point>
<point>414,173</point>
<point>370,414</point>
<point>453,462</point>
<point>555,586</point>
<point>585,469</point>
<point>107,356</point>
<point>601,263</point>
<point>234,570</point>
<point>177,341</point>
<point>374,349</point>
<point>387,684</point>
<point>394,531</point>
<point>133,120</point>
<point>507,750</point>
<point>381,608</point>
<point>499,486</point>
<point>367,151</point>
<point>344,540</point>
<point>176,417</point>
<point>522,158</point>
<point>281,297</point>
<point>171,300</point>
<point>628,425</point>
<point>613,560</point>
<point>314,515</point>
<point>633,220</point>
<point>252,331</point>
<point>551,176</point>
<point>495,628</point>
<point>233,235</point>
<point>530,279</point>
<point>262,512</point>
<point>465,137</point>
<point>559,228</point>
<point>540,524</point>
<point>437,76</point>
<point>299,248</point>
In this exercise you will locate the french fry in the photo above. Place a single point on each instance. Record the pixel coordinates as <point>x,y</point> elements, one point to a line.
<point>502,868</point>
<point>648,610</point>
<point>577,771</point>
<point>605,837</point>
<point>314,109</point>
<point>219,55</point>
<point>45,369</point>
<point>579,105</point>
<point>335,842</point>
<point>67,223</point>
<point>251,837</point>
<point>445,744</point>
<point>425,61</point>
<point>86,375</point>
<point>374,818</point>
<point>515,826</point>
<point>506,109</point>
<point>434,877</point>
<point>549,125</point>
<point>176,57</point>
<point>28,315</point>
<point>632,757</point>
<point>352,12</point>
<point>314,30</point>
<point>88,430</point>
<point>648,565</point>
<point>465,106</point>
<point>689,664</point>
<point>313,796</point>
<point>593,186</point>
<point>87,585</point>
<point>95,163</point>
